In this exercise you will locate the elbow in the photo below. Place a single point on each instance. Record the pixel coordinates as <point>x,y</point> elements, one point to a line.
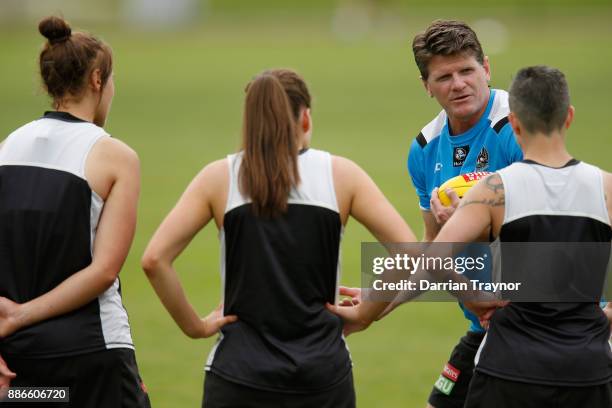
<point>109,276</point>
<point>150,264</point>
<point>190,332</point>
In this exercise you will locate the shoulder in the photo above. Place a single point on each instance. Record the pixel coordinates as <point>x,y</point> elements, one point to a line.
<point>431,131</point>
<point>115,151</point>
<point>110,160</point>
<point>498,115</point>
<point>347,173</point>
<point>218,168</point>
<point>516,169</point>
<point>26,128</point>
<point>488,191</point>
<point>343,166</point>
<point>213,176</point>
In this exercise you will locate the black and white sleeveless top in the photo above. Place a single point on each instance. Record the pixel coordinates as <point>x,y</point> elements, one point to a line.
<point>277,276</point>
<point>563,343</point>
<point>48,221</point>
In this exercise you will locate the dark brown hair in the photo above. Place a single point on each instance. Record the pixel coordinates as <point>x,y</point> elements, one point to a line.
<point>68,58</point>
<point>539,97</point>
<point>445,37</point>
<point>295,87</point>
<point>269,166</point>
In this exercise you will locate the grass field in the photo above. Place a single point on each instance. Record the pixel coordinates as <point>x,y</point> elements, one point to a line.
<point>178,103</point>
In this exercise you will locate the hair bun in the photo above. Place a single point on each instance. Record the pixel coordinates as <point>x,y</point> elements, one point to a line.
<point>55,29</point>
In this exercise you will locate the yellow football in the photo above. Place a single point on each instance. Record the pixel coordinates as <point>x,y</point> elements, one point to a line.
<point>461,184</point>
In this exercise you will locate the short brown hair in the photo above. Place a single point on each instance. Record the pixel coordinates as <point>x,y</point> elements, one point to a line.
<point>67,59</point>
<point>445,37</point>
<point>539,97</point>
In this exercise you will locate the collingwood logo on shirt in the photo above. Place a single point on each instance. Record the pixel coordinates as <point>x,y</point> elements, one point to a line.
<point>459,155</point>
<point>482,161</point>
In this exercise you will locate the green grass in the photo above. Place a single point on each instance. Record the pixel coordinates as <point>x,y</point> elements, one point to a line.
<point>179,101</point>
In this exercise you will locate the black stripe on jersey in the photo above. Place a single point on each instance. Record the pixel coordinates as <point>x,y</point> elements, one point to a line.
<point>65,116</point>
<point>500,124</point>
<point>279,274</point>
<point>555,228</point>
<point>553,343</point>
<point>571,162</point>
<point>45,237</point>
<point>421,140</point>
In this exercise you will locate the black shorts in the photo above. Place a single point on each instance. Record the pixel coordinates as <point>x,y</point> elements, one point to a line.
<point>450,389</point>
<point>220,393</point>
<point>104,379</point>
<point>487,391</point>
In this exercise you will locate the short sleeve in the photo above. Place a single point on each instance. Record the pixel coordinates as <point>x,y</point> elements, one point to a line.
<point>416,169</point>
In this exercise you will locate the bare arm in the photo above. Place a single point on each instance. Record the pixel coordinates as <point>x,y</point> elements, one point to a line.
<point>192,213</point>
<point>432,221</point>
<point>113,172</point>
<point>480,209</point>
<point>370,207</point>
<point>6,375</point>
<point>359,197</point>
<point>431,226</point>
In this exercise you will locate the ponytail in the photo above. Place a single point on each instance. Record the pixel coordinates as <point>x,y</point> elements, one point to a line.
<point>269,164</point>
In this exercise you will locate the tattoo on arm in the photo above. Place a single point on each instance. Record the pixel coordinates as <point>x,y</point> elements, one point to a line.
<point>496,186</point>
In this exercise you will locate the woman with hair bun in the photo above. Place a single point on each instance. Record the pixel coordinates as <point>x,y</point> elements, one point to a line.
<point>280,207</point>
<point>68,200</point>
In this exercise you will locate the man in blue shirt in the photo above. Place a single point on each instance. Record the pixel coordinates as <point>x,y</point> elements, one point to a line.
<point>471,133</point>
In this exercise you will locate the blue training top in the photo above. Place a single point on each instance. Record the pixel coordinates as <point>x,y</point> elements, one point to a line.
<point>435,156</point>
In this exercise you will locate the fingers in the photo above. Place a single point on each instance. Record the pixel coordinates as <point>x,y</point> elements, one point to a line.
<point>485,311</point>
<point>347,303</point>
<point>222,321</point>
<point>487,315</point>
<point>452,194</point>
<point>338,310</point>
<point>437,208</point>
<point>4,389</point>
<point>485,324</point>
<point>6,372</point>
<point>352,292</point>
<point>435,204</point>
<point>211,325</point>
<point>331,308</point>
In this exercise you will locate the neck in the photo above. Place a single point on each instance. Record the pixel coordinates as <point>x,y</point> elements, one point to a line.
<point>83,109</point>
<point>303,142</point>
<point>462,125</point>
<point>548,150</point>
